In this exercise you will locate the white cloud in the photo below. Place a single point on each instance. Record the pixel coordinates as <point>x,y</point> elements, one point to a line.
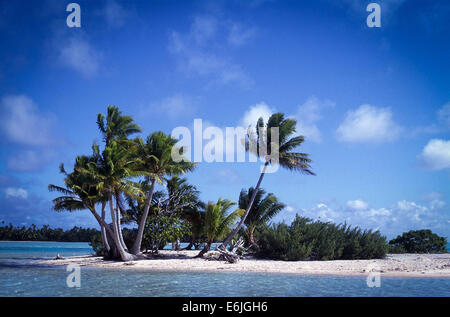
<point>227,176</point>
<point>29,160</point>
<point>308,115</point>
<point>16,193</point>
<point>408,206</point>
<point>114,14</point>
<point>239,35</point>
<point>324,213</point>
<point>200,53</point>
<point>435,200</point>
<point>432,196</point>
<point>441,126</point>
<point>203,28</point>
<point>368,124</point>
<point>436,154</point>
<point>444,115</point>
<point>289,208</point>
<point>22,123</point>
<point>357,204</point>
<point>402,216</point>
<point>255,112</point>
<point>437,204</point>
<point>174,106</point>
<point>80,56</point>
<point>379,212</point>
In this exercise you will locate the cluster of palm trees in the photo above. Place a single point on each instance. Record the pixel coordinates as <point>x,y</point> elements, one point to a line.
<point>127,170</point>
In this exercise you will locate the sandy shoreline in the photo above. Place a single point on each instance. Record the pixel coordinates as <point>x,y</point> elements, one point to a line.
<point>395,265</point>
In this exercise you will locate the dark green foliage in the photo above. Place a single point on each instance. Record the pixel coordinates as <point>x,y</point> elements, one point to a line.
<point>162,229</point>
<point>396,249</point>
<point>76,234</point>
<point>129,235</point>
<point>264,208</point>
<point>420,241</point>
<point>305,239</point>
<point>97,245</point>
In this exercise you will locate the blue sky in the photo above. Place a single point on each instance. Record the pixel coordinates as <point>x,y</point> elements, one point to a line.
<point>373,103</point>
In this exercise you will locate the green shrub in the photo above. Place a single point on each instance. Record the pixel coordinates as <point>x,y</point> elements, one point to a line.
<point>420,241</point>
<point>97,245</point>
<point>396,249</point>
<point>305,239</point>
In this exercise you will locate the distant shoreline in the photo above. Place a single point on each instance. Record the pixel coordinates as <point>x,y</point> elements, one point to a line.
<point>394,265</point>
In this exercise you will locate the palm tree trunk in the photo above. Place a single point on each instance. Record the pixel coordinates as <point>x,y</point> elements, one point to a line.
<point>251,237</point>
<point>104,225</point>
<point>223,246</point>
<point>103,229</point>
<point>125,256</point>
<point>119,226</point>
<point>118,215</point>
<point>205,249</point>
<point>136,249</point>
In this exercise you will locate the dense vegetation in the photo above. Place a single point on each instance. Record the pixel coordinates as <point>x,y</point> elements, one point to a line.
<point>33,233</point>
<point>121,177</point>
<point>305,239</point>
<point>418,241</point>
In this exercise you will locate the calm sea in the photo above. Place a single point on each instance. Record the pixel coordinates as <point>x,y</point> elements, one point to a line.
<point>20,276</point>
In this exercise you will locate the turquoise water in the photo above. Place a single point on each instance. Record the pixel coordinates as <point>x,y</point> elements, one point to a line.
<point>19,276</point>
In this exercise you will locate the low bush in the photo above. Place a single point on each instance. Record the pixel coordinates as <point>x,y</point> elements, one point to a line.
<point>419,241</point>
<point>396,249</point>
<point>305,239</point>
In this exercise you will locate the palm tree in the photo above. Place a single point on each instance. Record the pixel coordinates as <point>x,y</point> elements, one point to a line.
<point>155,160</point>
<point>112,172</point>
<point>282,148</point>
<point>116,127</point>
<point>80,192</point>
<point>196,217</point>
<point>218,221</point>
<point>263,209</point>
<point>190,204</point>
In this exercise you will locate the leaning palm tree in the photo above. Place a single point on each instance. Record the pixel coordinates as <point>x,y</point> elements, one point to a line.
<point>218,221</point>
<point>272,151</point>
<point>263,209</point>
<point>80,192</point>
<point>155,160</point>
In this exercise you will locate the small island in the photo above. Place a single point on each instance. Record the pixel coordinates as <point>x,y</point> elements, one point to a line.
<point>121,179</point>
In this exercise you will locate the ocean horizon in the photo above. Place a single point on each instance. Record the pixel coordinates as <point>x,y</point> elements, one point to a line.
<point>20,275</point>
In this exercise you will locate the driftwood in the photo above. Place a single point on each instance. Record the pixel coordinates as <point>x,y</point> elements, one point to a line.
<point>59,257</point>
<point>232,256</point>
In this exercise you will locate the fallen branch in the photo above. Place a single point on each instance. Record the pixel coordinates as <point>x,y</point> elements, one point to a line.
<point>232,256</point>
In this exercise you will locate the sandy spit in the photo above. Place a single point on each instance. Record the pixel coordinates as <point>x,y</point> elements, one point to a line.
<point>395,265</point>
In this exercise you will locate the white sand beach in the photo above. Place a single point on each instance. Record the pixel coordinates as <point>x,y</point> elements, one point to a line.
<point>395,265</point>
